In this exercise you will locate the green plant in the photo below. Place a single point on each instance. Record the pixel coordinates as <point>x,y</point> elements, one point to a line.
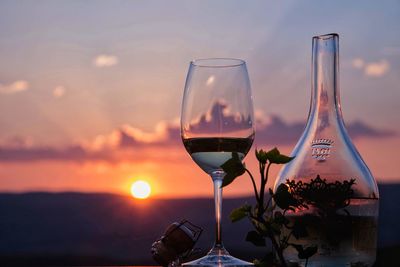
<point>270,219</point>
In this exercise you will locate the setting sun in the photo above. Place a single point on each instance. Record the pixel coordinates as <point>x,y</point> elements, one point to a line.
<point>140,189</point>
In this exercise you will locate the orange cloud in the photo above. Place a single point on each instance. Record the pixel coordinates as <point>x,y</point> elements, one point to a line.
<point>377,69</point>
<point>103,60</point>
<point>59,91</point>
<point>358,63</point>
<point>372,69</point>
<point>132,143</point>
<point>14,87</point>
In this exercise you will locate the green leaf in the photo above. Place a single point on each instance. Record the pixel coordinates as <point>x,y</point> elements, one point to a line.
<point>261,156</point>
<point>280,219</point>
<point>299,249</point>
<point>305,253</point>
<point>228,179</point>
<point>266,261</point>
<point>233,168</point>
<point>283,198</point>
<point>308,252</point>
<point>299,229</point>
<point>262,227</point>
<point>255,238</point>
<point>262,263</point>
<point>276,228</point>
<point>274,156</point>
<point>240,213</point>
<point>259,263</point>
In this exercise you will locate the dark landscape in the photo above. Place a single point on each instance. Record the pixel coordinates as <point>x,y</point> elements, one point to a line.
<point>60,229</point>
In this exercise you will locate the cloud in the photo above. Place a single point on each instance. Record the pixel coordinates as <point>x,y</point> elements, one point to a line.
<point>17,142</point>
<point>71,153</point>
<point>103,60</point>
<point>128,137</point>
<point>391,51</point>
<point>123,143</point>
<point>371,69</point>
<point>377,69</point>
<point>128,142</point>
<point>218,118</point>
<point>59,91</point>
<point>360,129</point>
<point>358,63</point>
<point>15,87</point>
<point>279,132</point>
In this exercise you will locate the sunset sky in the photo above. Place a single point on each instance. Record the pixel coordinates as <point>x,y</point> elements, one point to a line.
<point>91,91</point>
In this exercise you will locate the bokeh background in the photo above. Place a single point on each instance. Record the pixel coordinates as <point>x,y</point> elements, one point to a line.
<point>90,92</point>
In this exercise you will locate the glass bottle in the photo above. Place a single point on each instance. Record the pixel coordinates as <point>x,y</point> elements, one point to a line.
<point>340,216</point>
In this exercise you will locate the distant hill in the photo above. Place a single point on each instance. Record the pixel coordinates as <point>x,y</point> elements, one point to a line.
<point>105,229</point>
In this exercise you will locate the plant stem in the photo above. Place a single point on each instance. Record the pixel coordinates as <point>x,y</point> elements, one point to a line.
<point>254,185</point>
<point>267,172</point>
<point>287,238</point>
<point>264,179</point>
<point>278,249</point>
<point>262,190</point>
<point>268,203</point>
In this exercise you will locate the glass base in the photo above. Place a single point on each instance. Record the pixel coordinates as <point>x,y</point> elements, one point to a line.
<point>217,257</point>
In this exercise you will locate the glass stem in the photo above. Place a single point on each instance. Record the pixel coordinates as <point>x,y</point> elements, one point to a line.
<point>217,180</point>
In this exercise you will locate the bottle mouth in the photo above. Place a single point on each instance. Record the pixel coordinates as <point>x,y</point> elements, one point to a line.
<point>326,36</point>
<point>217,62</point>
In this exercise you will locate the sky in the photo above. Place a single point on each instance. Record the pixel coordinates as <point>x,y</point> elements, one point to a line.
<point>91,91</point>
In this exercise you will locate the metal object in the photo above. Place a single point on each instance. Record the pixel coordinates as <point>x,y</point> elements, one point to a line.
<point>176,244</point>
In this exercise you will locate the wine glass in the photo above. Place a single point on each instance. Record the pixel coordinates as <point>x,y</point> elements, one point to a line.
<point>217,119</point>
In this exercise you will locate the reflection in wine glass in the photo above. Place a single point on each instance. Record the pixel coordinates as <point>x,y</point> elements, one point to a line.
<point>217,119</point>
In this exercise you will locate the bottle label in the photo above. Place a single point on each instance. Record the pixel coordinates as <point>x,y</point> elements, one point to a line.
<point>321,148</point>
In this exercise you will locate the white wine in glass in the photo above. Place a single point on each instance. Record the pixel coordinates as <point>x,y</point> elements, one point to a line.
<point>217,119</point>
<point>211,153</point>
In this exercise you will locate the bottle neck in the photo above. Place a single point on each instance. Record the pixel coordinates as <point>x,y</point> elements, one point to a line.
<point>325,110</point>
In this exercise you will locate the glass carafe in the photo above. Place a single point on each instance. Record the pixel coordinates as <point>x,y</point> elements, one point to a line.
<point>341,214</point>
